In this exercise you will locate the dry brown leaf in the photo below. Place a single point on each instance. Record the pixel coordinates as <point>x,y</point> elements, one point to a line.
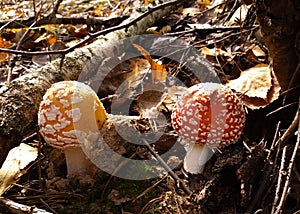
<point>257,85</point>
<point>258,51</point>
<point>214,52</point>
<point>117,198</point>
<point>17,159</point>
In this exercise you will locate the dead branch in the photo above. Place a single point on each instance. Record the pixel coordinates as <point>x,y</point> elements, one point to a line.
<point>97,21</point>
<point>20,208</point>
<point>19,99</point>
<point>128,24</point>
<point>289,171</point>
<point>279,180</point>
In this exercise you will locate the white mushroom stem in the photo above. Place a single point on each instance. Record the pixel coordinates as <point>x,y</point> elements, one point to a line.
<point>196,157</point>
<point>77,162</point>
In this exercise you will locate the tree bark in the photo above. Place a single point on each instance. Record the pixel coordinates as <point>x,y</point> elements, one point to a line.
<point>19,100</point>
<point>280,25</point>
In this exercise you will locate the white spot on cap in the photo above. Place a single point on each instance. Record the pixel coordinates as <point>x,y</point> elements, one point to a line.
<point>64,102</point>
<point>52,112</point>
<point>48,129</point>
<point>63,122</point>
<point>70,134</point>
<point>76,99</point>
<point>41,119</point>
<point>74,113</point>
<point>193,121</point>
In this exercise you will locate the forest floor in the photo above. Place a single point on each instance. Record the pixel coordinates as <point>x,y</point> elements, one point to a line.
<point>260,173</point>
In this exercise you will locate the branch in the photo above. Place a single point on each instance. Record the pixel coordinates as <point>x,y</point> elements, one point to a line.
<point>125,25</point>
<point>15,207</point>
<point>289,169</point>
<point>63,20</point>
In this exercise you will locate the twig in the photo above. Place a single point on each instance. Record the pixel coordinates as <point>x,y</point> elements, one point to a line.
<point>274,140</point>
<point>167,168</point>
<point>224,38</point>
<point>94,35</point>
<point>13,60</point>
<point>149,188</point>
<point>236,5</point>
<point>39,161</point>
<point>289,132</point>
<point>290,167</point>
<point>149,203</point>
<point>21,208</point>
<point>55,9</point>
<point>210,30</point>
<point>115,171</point>
<point>90,20</point>
<point>266,176</point>
<point>47,205</point>
<point>279,180</point>
<point>281,108</point>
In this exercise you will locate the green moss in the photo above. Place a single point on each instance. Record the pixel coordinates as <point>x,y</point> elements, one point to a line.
<point>126,189</point>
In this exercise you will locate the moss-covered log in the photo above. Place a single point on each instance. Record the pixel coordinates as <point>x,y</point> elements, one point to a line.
<point>19,100</point>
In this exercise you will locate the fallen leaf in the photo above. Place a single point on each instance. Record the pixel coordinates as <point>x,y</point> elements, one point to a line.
<point>257,85</point>
<point>4,44</point>
<point>159,71</point>
<point>165,29</point>
<point>203,2</point>
<point>258,51</point>
<point>214,52</point>
<point>18,158</point>
<point>146,2</point>
<point>117,198</point>
<point>48,38</point>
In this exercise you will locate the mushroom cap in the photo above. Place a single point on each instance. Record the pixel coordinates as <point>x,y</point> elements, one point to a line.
<point>210,114</point>
<point>69,112</point>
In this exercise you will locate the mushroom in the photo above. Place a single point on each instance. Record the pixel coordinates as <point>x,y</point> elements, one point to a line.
<point>71,114</point>
<point>208,116</point>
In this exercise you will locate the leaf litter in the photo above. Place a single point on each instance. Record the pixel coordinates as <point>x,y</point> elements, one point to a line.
<point>233,178</point>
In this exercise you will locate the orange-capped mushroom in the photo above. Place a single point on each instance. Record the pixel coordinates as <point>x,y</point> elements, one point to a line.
<point>71,114</point>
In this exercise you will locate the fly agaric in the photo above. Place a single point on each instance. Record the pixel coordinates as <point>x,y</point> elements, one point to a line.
<point>208,116</point>
<point>70,114</point>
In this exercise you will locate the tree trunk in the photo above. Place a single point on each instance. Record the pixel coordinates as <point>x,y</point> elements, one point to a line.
<point>19,100</point>
<point>280,25</point>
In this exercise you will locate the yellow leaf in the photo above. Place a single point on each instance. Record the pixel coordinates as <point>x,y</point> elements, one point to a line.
<point>203,2</point>
<point>146,2</point>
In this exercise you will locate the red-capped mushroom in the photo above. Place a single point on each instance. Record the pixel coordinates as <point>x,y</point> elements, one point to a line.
<point>70,114</point>
<point>209,115</point>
